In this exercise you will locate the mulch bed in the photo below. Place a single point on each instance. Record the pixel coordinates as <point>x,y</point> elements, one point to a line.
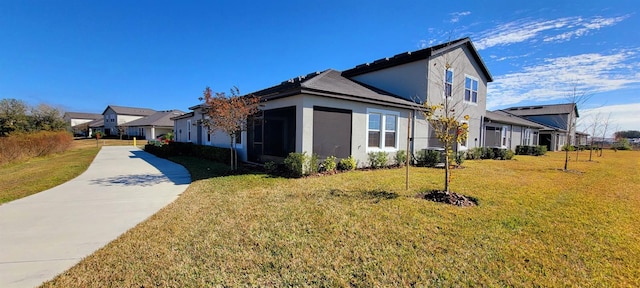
<point>451,198</point>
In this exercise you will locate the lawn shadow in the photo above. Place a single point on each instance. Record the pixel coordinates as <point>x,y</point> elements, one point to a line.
<point>376,195</point>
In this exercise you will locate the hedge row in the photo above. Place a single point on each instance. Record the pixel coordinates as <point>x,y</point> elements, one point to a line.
<point>215,154</point>
<point>20,146</point>
<point>531,150</point>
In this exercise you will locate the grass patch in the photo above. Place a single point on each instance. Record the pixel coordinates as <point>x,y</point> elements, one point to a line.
<point>23,178</point>
<point>535,226</point>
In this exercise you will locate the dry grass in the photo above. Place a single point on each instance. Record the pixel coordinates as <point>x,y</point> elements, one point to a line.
<point>23,178</point>
<point>535,226</point>
<point>23,146</point>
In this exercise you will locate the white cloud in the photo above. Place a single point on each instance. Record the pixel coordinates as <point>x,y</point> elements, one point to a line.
<point>556,77</point>
<point>622,117</point>
<point>455,16</point>
<point>562,29</point>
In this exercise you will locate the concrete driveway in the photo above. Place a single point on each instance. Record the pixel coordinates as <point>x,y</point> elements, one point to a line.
<point>47,233</point>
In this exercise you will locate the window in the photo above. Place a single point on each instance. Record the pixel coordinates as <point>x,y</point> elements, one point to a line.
<point>505,135</point>
<point>390,131</point>
<point>526,139</point>
<point>470,90</point>
<point>374,129</point>
<point>465,143</point>
<point>448,82</point>
<point>189,130</point>
<point>382,130</point>
<point>238,137</point>
<point>208,135</point>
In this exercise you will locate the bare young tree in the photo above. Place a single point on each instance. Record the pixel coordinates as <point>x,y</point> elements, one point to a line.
<point>605,127</point>
<point>576,98</point>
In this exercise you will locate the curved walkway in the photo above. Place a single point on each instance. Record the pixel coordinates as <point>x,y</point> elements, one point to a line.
<point>47,233</point>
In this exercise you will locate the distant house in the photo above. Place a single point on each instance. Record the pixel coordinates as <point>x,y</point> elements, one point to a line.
<point>504,130</point>
<point>152,126</point>
<point>96,126</point>
<point>556,119</point>
<point>78,122</point>
<point>368,108</point>
<point>115,116</point>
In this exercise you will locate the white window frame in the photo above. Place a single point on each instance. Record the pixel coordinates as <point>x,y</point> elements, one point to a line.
<point>526,137</point>
<point>505,136</point>
<point>444,83</point>
<point>383,118</point>
<point>471,90</point>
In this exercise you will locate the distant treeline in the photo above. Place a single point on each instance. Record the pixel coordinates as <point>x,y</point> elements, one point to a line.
<point>18,117</point>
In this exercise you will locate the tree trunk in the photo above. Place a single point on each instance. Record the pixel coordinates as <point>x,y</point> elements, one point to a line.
<point>446,172</point>
<point>566,158</point>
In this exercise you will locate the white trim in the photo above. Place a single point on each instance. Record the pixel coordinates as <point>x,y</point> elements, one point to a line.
<point>470,102</point>
<point>383,119</point>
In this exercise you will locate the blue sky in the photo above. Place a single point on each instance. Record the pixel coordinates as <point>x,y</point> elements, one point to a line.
<point>85,55</point>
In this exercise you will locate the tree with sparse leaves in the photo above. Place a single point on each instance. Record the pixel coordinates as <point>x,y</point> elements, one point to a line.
<point>228,114</point>
<point>449,130</point>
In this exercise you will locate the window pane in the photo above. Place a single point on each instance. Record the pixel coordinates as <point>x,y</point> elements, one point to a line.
<point>374,121</point>
<point>467,83</point>
<point>390,123</point>
<point>474,97</point>
<point>389,139</point>
<point>449,77</point>
<point>475,85</point>
<point>467,95</point>
<point>447,90</point>
<point>374,139</point>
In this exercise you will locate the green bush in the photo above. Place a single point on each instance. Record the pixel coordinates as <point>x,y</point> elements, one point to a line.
<point>429,158</point>
<point>329,164</point>
<point>531,150</point>
<point>271,167</point>
<point>474,153</point>
<point>460,156</point>
<point>378,159</point>
<point>623,144</point>
<point>401,158</point>
<point>487,153</point>
<point>313,165</point>
<point>508,155</point>
<point>347,164</point>
<point>568,147</point>
<point>294,164</point>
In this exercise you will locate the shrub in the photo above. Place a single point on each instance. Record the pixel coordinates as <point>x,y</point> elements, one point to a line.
<point>329,164</point>
<point>623,144</point>
<point>347,164</point>
<point>540,150</point>
<point>499,153</point>
<point>429,158</point>
<point>487,153</point>
<point>568,147</point>
<point>378,159</point>
<point>401,158</point>
<point>20,146</point>
<point>508,155</point>
<point>271,167</point>
<point>313,164</point>
<point>474,154</point>
<point>460,156</point>
<point>295,164</point>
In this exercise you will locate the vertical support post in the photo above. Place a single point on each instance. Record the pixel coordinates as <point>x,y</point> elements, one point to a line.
<point>134,142</point>
<point>408,154</point>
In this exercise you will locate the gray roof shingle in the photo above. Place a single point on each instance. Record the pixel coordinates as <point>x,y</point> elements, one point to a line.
<point>553,109</point>
<point>504,117</point>
<point>330,83</point>
<point>160,118</point>
<point>82,115</point>
<point>121,110</point>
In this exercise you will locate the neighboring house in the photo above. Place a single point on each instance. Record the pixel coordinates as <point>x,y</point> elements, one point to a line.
<point>152,126</point>
<point>115,116</point>
<point>556,118</point>
<point>96,126</point>
<point>369,108</point>
<point>78,122</point>
<point>504,130</point>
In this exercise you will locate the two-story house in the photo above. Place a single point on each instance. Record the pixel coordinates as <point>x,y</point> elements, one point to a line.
<point>559,120</point>
<point>115,116</point>
<point>372,107</point>
<point>79,122</point>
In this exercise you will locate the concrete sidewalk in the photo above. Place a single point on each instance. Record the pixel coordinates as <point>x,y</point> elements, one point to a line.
<point>47,233</point>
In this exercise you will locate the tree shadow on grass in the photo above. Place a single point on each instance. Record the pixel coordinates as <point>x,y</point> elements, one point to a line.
<point>376,195</point>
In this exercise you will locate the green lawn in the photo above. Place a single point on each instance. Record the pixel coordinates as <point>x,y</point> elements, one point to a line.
<point>27,177</point>
<point>535,226</point>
